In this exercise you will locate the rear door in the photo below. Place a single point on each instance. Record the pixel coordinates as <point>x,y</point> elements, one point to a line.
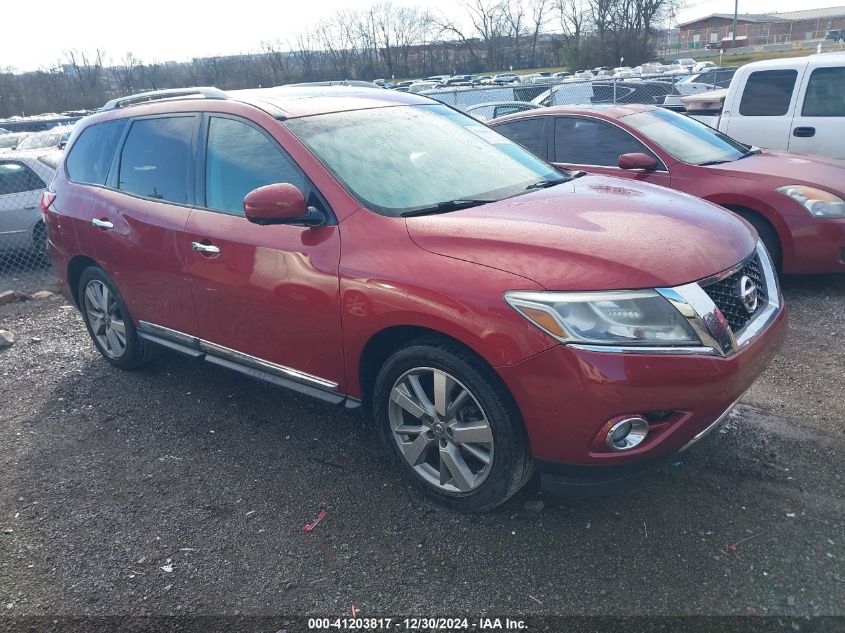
<point>140,217</point>
<point>595,146</point>
<point>819,123</point>
<point>762,109</point>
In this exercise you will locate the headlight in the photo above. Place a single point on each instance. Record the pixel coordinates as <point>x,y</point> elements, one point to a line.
<point>820,204</point>
<point>630,317</point>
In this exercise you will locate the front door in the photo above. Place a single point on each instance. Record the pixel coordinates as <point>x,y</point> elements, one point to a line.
<point>595,146</point>
<point>140,217</point>
<point>269,293</point>
<point>819,123</point>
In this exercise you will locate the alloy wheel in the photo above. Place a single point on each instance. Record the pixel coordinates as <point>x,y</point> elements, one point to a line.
<point>441,430</point>
<point>103,314</point>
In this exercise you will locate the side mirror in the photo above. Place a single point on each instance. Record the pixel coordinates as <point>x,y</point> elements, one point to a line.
<point>281,203</point>
<point>638,161</point>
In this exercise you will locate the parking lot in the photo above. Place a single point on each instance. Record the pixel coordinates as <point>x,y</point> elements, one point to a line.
<point>184,488</point>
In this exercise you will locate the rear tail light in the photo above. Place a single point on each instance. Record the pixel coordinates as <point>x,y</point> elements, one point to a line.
<point>47,199</point>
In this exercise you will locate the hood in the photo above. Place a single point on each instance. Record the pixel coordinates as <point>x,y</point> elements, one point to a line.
<point>783,168</point>
<point>593,233</point>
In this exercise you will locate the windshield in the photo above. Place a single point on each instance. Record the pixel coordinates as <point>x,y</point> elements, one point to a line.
<point>686,139</point>
<point>401,159</point>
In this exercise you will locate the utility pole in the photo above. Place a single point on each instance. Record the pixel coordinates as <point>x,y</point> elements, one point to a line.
<point>736,10</point>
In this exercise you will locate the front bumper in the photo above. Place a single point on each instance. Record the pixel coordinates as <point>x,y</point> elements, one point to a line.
<point>818,246</point>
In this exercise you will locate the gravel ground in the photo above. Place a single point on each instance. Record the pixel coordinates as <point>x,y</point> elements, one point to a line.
<point>183,488</point>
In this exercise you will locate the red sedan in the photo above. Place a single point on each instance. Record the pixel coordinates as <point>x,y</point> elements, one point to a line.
<point>795,202</point>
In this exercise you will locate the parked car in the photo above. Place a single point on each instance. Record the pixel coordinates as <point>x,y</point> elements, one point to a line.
<point>402,86</point>
<point>505,78</point>
<point>489,111</point>
<point>686,63</point>
<point>422,86</point>
<point>481,305</point>
<point>24,175</point>
<point>835,35</point>
<point>795,104</point>
<point>4,131</point>
<point>43,140</point>
<point>9,142</point>
<point>652,69</point>
<point>710,79</point>
<point>713,46</point>
<point>652,92</point>
<point>794,202</point>
<point>700,67</point>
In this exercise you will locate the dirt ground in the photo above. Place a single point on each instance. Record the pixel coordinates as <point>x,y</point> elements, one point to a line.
<point>183,489</point>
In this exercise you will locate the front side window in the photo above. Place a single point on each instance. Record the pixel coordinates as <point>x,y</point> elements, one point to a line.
<point>400,159</point>
<point>686,139</point>
<point>16,177</point>
<point>768,93</point>
<point>528,133</point>
<point>156,158</point>
<point>825,93</point>
<point>92,153</point>
<point>581,141</point>
<point>239,159</point>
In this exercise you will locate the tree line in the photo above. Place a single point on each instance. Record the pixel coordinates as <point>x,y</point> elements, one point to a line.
<point>383,40</point>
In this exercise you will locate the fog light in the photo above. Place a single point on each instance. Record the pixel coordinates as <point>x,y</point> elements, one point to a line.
<point>627,434</point>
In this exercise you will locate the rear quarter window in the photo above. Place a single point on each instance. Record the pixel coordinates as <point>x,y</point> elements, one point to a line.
<point>825,93</point>
<point>91,155</point>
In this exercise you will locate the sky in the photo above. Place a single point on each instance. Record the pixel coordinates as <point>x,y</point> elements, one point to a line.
<point>165,30</point>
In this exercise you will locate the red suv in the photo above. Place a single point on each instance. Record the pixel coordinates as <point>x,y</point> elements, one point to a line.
<point>371,247</point>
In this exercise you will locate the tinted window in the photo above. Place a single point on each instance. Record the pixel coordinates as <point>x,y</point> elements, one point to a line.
<point>768,93</point>
<point>825,93</point>
<point>92,153</point>
<point>156,158</point>
<point>528,133</point>
<point>17,178</point>
<point>240,159</point>
<point>590,142</point>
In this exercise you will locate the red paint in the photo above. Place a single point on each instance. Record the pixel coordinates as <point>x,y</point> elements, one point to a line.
<point>809,244</point>
<point>313,298</point>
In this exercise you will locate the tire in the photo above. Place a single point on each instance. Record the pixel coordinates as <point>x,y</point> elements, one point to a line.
<point>767,234</point>
<point>473,458</point>
<point>126,350</point>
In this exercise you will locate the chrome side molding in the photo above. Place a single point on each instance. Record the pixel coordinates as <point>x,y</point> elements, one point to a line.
<point>245,363</point>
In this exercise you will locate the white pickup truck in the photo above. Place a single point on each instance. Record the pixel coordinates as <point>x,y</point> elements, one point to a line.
<point>793,104</point>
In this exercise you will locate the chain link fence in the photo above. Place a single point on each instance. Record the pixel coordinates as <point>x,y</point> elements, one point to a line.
<point>24,175</point>
<point>662,90</point>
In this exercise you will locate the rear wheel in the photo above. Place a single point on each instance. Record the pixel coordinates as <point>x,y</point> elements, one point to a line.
<point>443,417</point>
<point>109,322</point>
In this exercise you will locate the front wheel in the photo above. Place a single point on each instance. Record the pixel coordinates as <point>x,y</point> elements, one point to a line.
<point>445,419</point>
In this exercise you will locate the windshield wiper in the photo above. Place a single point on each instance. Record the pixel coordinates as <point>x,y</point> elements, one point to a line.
<point>713,162</point>
<point>752,152</point>
<point>445,207</point>
<point>545,184</point>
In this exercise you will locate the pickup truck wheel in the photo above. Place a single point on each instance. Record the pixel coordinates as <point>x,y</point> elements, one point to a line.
<point>443,418</point>
<point>109,322</point>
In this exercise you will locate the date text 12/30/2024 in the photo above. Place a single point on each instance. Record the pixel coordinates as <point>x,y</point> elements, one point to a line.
<point>416,624</point>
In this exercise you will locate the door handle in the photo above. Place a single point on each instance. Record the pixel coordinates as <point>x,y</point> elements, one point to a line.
<point>102,224</point>
<point>804,132</point>
<point>204,248</point>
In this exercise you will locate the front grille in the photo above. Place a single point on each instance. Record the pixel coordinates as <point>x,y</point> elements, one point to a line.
<point>726,293</point>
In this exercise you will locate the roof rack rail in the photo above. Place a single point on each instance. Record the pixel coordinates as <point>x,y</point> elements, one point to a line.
<point>159,95</point>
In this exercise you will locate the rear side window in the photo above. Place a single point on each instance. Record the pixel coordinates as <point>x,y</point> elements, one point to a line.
<point>587,142</point>
<point>825,93</point>
<point>768,93</point>
<point>18,178</point>
<point>240,159</point>
<point>92,153</point>
<point>528,133</point>
<point>156,158</point>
